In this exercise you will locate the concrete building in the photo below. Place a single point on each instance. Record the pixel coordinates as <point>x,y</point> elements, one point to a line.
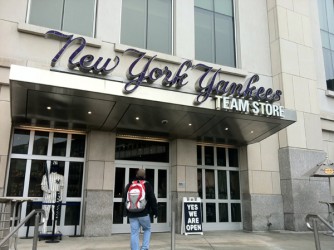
<point>107,87</point>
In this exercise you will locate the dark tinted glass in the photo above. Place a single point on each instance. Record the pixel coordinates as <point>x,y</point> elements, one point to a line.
<point>132,174</point>
<point>75,174</point>
<point>119,182</point>
<point>236,212</point>
<point>17,171</point>
<point>137,150</point>
<point>78,145</point>
<point>60,169</point>
<point>162,212</point>
<point>210,192</point>
<point>234,185</point>
<point>221,157</point>
<point>162,183</point>
<point>222,185</point>
<point>31,206</point>
<point>208,150</point>
<point>223,212</point>
<point>41,141</point>
<point>20,141</point>
<point>199,155</point>
<point>38,169</point>
<point>59,144</point>
<point>150,176</point>
<point>233,157</point>
<point>210,212</point>
<point>118,213</point>
<point>72,214</point>
<point>199,182</point>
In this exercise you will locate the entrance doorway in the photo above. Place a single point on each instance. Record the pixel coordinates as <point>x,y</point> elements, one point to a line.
<point>219,187</point>
<point>154,158</point>
<point>31,155</point>
<point>157,176</point>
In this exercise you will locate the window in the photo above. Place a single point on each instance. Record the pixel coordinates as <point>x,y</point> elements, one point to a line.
<point>326,15</point>
<point>31,155</point>
<point>140,150</point>
<point>147,24</point>
<point>219,185</point>
<point>74,16</point>
<point>214,31</point>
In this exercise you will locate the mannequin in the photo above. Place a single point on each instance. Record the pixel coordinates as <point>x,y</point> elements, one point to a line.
<point>52,186</point>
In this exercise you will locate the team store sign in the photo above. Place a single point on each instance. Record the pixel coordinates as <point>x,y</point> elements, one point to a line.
<point>228,95</point>
<point>248,107</point>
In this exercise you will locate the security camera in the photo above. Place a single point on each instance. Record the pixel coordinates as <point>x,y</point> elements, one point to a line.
<point>164,121</point>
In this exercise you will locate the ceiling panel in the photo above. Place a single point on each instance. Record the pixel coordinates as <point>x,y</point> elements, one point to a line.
<point>150,118</point>
<point>67,109</point>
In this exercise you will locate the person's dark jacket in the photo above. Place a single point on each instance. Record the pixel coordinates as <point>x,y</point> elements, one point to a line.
<point>151,205</point>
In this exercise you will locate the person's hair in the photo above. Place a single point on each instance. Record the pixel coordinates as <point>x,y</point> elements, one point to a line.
<point>140,173</point>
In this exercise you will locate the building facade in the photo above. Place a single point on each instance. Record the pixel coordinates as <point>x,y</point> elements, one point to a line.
<point>230,101</point>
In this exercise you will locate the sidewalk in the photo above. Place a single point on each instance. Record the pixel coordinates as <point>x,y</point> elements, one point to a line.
<point>235,240</point>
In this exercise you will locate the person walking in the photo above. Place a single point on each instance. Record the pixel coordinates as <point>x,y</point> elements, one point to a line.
<point>140,201</point>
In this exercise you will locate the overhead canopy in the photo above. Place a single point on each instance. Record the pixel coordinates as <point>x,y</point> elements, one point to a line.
<point>67,101</point>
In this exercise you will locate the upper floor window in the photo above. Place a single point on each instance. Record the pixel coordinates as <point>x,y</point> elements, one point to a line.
<point>214,31</point>
<point>74,16</point>
<point>147,24</point>
<point>326,15</point>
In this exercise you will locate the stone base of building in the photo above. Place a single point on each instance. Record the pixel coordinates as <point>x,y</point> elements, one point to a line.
<point>262,212</point>
<point>302,193</point>
<point>98,213</point>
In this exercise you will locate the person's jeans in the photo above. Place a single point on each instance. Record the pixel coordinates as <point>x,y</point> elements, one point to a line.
<point>135,224</point>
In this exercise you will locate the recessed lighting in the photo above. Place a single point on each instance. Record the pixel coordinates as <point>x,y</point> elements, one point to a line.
<point>226,129</point>
<point>137,118</point>
<point>190,124</point>
<point>89,112</point>
<point>48,108</point>
<point>252,132</point>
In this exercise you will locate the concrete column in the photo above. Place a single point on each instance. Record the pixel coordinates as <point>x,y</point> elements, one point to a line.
<point>5,132</point>
<point>259,169</point>
<point>184,175</point>
<point>108,21</point>
<point>99,183</point>
<point>184,29</point>
<point>294,72</point>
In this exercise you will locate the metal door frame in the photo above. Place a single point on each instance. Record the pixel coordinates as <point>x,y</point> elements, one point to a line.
<point>161,227</point>
<point>29,157</point>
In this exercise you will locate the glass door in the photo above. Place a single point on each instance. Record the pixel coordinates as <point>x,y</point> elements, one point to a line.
<point>157,174</point>
<point>31,155</point>
<point>219,187</point>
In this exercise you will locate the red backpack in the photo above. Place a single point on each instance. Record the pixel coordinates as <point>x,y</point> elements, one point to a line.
<point>135,197</point>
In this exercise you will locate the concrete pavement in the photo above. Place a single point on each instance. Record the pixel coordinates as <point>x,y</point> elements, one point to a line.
<point>235,240</point>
